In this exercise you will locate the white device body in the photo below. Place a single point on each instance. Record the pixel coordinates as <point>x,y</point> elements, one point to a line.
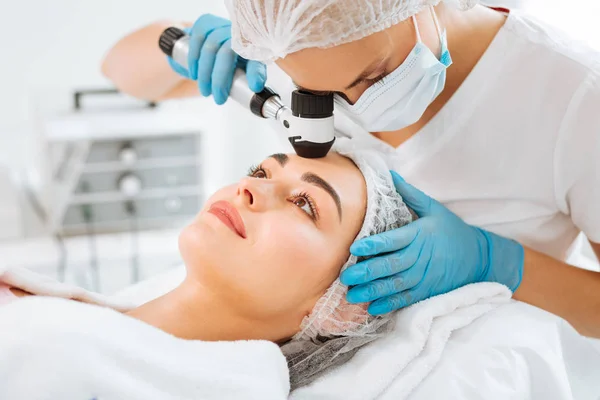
<point>308,130</point>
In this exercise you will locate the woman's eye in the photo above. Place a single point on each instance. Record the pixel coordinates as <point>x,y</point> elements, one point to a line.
<point>305,205</point>
<point>257,172</point>
<point>260,174</point>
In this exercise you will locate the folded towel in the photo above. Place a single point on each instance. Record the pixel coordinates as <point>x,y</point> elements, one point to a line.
<point>392,367</point>
<point>41,285</point>
<point>52,348</point>
<point>73,350</point>
<point>515,351</point>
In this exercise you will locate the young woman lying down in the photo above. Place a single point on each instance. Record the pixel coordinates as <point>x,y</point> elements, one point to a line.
<point>263,260</point>
<point>264,255</point>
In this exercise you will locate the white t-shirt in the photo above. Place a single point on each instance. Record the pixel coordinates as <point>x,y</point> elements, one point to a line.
<point>516,150</point>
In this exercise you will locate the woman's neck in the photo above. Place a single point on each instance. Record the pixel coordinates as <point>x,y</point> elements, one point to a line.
<point>192,312</point>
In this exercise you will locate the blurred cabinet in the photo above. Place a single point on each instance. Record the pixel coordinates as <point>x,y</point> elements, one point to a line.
<point>142,171</point>
<point>154,181</point>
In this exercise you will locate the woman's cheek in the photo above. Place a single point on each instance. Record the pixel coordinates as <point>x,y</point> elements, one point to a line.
<point>296,248</point>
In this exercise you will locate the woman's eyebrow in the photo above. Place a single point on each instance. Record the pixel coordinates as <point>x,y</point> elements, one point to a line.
<point>281,158</point>
<point>316,180</point>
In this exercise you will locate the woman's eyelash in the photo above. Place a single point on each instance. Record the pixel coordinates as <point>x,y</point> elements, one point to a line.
<point>310,203</point>
<point>257,171</point>
<point>377,80</point>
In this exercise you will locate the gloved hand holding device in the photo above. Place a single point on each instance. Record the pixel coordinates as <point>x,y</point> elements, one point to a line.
<point>212,62</point>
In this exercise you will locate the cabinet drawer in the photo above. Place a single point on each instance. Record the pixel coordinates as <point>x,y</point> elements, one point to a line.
<point>145,148</point>
<point>148,213</point>
<point>98,182</point>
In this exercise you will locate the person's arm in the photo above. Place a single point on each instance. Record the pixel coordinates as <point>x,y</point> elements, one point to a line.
<point>19,292</point>
<point>137,66</point>
<point>569,292</point>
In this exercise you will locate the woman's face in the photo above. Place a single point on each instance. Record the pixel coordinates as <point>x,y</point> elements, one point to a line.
<point>272,244</point>
<point>351,68</point>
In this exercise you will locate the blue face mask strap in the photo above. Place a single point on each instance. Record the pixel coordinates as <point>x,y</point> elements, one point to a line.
<point>445,54</point>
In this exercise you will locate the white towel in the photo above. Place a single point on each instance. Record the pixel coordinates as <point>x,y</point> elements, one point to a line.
<point>392,367</point>
<point>516,351</point>
<point>51,348</point>
<point>41,285</point>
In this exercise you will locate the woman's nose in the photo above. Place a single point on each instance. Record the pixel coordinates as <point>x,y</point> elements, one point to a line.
<point>256,193</point>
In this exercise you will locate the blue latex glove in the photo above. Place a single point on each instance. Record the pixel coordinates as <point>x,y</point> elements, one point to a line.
<point>212,62</point>
<point>433,255</point>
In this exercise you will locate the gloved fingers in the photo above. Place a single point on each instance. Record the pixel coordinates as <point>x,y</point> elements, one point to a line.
<point>202,28</point>
<point>256,72</point>
<point>382,288</point>
<point>223,73</point>
<point>380,267</point>
<point>391,303</point>
<point>398,300</point>
<point>196,43</point>
<point>206,64</point>
<point>418,201</point>
<point>427,277</point>
<point>386,242</point>
<point>178,68</point>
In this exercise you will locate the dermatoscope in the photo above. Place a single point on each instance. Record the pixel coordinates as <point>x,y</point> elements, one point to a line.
<point>308,123</point>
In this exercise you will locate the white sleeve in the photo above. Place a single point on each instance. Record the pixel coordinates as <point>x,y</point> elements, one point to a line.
<point>577,159</point>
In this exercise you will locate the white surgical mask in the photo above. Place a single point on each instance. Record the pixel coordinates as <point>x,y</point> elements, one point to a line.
<point>401,98</point>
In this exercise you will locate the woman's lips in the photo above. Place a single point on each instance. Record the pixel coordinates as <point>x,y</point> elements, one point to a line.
<point>229,216</point>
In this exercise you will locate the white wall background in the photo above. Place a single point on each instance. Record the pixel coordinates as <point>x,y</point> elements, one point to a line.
<point>53,47</point>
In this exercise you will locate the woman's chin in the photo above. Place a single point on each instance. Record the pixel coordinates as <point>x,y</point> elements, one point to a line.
<point>195,240</point>
<point>204,247</point>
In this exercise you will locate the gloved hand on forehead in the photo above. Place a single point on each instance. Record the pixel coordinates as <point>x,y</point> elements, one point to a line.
<point>433,255</point>
<point>212,62</point>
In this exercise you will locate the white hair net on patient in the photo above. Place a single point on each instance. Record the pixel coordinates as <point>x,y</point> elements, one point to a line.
<point>265,30</point>
<point>336,329</point>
